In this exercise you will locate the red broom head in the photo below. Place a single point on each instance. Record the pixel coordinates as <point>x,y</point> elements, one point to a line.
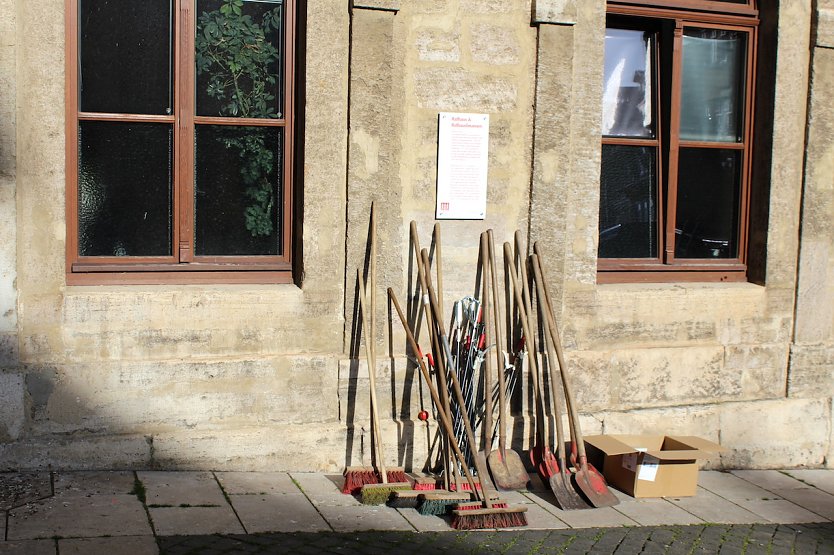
<point>396,476</point>
<point>356,478</point>
<point>425,484</point>
<point>475,505</point>
<point>465,486</point>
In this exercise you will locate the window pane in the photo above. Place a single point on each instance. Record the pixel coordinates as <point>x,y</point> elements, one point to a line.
<point>238,190</point>
<point>628,202</point>
<point>124,189</point>
<point>239,58</point>
<point>627,97</point>
<point>124,56</point>
<point>707,221</point>
<point>713,85</point>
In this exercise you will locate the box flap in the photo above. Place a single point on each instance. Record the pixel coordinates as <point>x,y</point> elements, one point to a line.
<point>609,445</point>
<point>685,455</point>
<point>696,443</point>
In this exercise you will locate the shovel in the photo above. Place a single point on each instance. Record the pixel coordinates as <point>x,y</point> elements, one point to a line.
<point>561,478</point>
<point>587,478</point>
<point>508,471</point>
<point>564,495</point>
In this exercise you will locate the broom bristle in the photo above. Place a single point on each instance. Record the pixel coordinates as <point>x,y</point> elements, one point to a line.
<point>425,483</point>
<point>480,519</point>
<point>404,499</point>
<point>396,475</point>
<point>377,494</point>
<point>475,505</point>
<point>439,503</point>
<point>465,486</point>
<point>357,477</point>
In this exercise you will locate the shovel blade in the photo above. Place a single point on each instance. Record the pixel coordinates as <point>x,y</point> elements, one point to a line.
<point>593,487</point>
<point>508,471</point>
<point>567,497</point>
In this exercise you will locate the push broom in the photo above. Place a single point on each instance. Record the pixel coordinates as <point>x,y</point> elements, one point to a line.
<point>376,494</point>
<point>486,512</point>
<point>357,477</point>
<point>437,502</point>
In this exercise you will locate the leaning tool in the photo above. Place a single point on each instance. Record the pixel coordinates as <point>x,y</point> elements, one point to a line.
<point>508,471</point>
<point>375,494</point>
<point>586,478</point>
<point>560,476</point>
<point>487,512</point>
<point>540,453</point>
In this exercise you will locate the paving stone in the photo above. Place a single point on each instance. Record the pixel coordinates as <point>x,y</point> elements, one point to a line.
<point>28,547</point>
<point>322,491</point>
<point>770,480</point>
<point>178,521</point>
<point>586,518</point>
<point>819,478</point>
<point>75,516</point>
<point>280,512</point>
<point>732,487</point>
<point>710,507</point>
<point>347,519</point>
<point>134,545</point>
<point>425,523</point>
<point>780,510</point>
<point>20,488</point>
<point>634,541</point>
<point>539,518</point>
<point>256,482</point>
<point>88,483</point>
<point>181,488</point>
<point>816,501</point>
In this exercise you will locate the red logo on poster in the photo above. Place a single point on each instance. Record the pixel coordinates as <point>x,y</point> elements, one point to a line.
<point>444,205</point>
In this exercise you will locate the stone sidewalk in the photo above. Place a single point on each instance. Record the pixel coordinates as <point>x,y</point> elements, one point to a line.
<point>150,512</point>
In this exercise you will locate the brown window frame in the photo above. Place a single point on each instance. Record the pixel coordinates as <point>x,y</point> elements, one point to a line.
<point>665,267</point>
<point>183,266</point>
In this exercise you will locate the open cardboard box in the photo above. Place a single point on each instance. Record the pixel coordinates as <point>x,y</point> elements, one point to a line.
<point>650,465</point>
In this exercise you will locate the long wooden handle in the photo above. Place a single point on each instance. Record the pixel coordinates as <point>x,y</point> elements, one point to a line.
<point>554,332</point>
<point>441,411</point>
<point>369,351</point>
<point>496,316</point>
<point>552,358</point>
<point>485,268</point>
<point>530,338</point>
<point>467,425</point>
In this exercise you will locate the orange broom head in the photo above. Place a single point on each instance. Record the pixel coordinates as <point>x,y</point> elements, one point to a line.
<point>358,476</point>
<point>480,519</point>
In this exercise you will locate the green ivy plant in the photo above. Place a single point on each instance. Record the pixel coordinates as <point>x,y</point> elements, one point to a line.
<point>234,51</point>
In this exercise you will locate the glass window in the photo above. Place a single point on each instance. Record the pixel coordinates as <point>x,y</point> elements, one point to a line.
<point>676,142</point>
<point>183,141</point>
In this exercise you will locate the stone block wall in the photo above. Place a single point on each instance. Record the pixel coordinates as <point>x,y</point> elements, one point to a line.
<point>274,376</point>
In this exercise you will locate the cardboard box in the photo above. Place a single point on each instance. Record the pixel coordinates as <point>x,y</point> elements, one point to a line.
<point>650,465</point>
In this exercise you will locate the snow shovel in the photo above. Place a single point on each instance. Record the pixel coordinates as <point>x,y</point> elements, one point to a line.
<point>586,478</point>
<point>508,471</point>
<point>562,475</point>
<point>564,495</point>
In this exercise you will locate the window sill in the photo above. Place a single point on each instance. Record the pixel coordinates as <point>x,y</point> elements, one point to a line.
<point>674,276</point>
<point>179,278</point>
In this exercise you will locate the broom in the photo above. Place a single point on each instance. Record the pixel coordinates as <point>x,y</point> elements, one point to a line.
<point>437,502</point>
<point>376,494</point>
<point>487,512</point>
<point>358,476</point>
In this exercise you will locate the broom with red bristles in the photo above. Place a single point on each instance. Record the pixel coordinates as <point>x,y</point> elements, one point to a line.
<point>358,477</point>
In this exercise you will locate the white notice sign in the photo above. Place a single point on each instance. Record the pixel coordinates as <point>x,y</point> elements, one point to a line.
<point>462,161</point>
